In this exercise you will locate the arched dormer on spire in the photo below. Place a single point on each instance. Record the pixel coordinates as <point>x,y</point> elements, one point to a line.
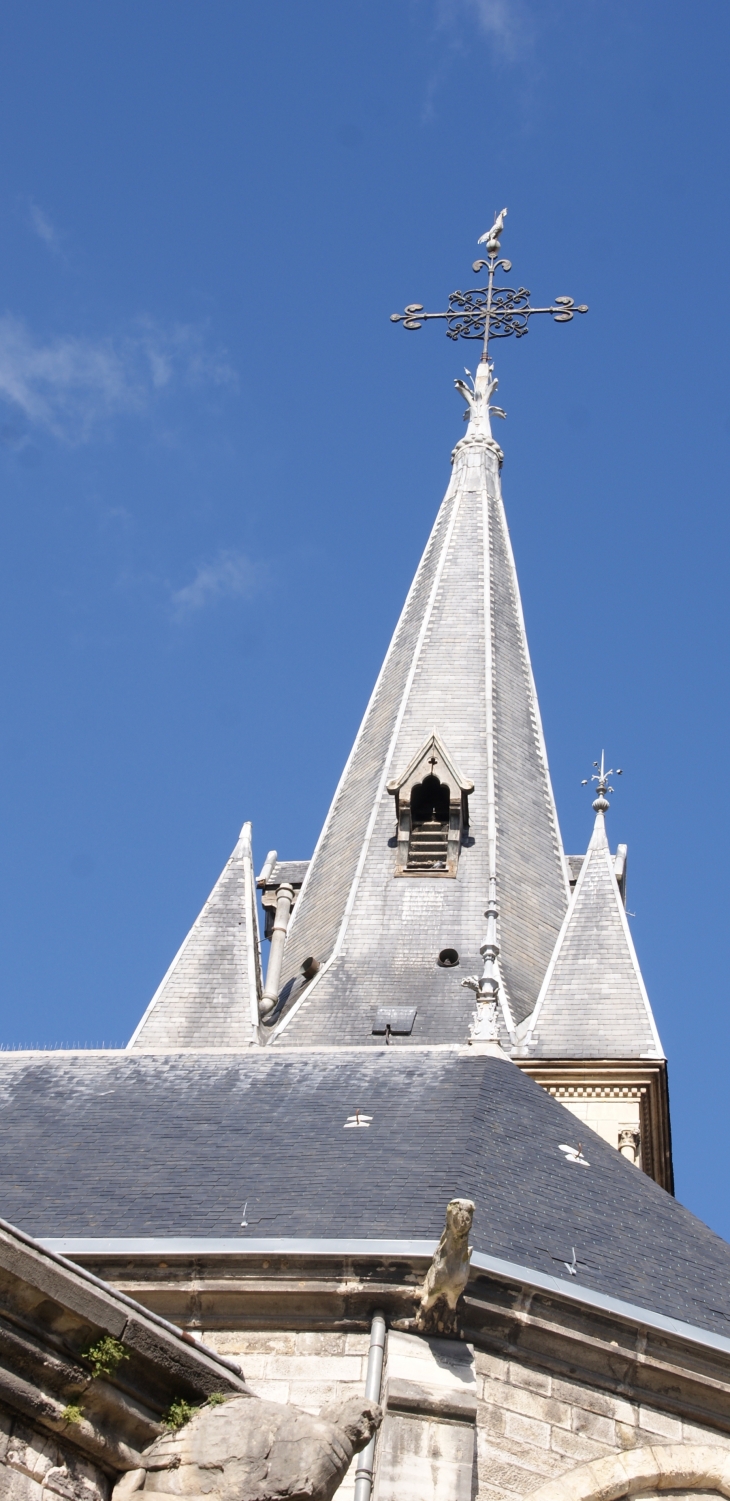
<point>432,809</point>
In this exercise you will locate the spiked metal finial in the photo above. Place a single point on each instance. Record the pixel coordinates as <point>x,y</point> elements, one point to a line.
<point>601,776</point>
<point>489,312</point>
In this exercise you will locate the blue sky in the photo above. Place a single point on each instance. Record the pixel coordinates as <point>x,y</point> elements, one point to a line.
<point>220,461</point>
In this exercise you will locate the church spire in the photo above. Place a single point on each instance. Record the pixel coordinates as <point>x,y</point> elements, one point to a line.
<point>395,897</point>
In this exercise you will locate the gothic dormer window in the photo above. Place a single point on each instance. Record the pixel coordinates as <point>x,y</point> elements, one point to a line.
<point>432,809</point>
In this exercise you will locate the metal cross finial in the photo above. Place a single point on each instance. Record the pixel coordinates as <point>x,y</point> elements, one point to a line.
<point>601,776</point>
<point>489,312</point>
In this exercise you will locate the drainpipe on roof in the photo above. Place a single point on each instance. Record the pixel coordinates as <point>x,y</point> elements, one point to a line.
<point>284,903</point>
<point>365,1462</point>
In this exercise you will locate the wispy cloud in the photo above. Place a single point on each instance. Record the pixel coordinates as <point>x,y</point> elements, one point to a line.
<point>506,23</point>
<point>232,573</point>
<point>509,27</point>
<point>45,230</point>
<point>71,386</point>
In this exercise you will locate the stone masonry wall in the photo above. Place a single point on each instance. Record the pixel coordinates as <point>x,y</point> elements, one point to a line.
<point>27,1459</point>
<point>533,1427</point>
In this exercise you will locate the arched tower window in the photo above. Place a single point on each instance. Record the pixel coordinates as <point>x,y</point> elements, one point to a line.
<point>432,808</point>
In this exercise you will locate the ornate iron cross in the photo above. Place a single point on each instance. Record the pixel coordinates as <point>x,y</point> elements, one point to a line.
<point>489,312</point>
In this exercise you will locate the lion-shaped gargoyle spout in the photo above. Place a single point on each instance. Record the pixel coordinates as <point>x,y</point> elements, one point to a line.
<point>448,1273</point>
<point>246,1449</point>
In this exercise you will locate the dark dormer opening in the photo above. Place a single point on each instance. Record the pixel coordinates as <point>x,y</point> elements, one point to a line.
<point>428,846</point>
<point>432,813</point>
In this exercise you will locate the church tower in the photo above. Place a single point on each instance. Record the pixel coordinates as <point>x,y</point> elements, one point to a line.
<point>439,908</point>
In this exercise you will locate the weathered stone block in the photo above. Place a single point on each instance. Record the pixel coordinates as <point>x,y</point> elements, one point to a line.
<point>311,1368</point>
<point>424,1461</point>
<point>30,1451</point>
<point>491,1365</point>
<point>529,1430</point>
<point>653,1422</point>
<point>493,1493</point>
<point>576,1446</point>
<point>510,1477</point>
<point>312,1342</point>
<point>626,1435</point>
<point>603,1430</point>
<point>312,1395</point>
<point>444,1402</point>
<point>490,1419</point>
<point>523,1375</point>
<point>255,1341</point>
<point>694,1433</point>
<point>357,1344</point>
<point>603,1403</point>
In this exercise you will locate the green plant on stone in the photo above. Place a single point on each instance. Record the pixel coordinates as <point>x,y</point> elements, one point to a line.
<point>178,1414</point>
<point>105,1355</point>
<point>215,1399</point>
<point>72,1414</point>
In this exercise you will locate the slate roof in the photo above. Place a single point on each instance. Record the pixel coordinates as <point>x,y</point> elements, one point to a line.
<point>593,1002</point>
<point>458,655</point>
<point>209,996</point>
<point>134,1144</point>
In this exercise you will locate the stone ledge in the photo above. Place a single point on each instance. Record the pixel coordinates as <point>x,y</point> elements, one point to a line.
<point>428,1401</point>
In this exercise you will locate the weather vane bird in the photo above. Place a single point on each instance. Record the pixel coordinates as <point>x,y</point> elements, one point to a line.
<point>490,312</point>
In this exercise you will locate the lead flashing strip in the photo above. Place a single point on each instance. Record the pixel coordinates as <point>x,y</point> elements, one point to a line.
<point>300,1246</point>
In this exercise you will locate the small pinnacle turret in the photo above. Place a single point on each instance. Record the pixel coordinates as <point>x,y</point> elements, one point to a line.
<point>593,1000</point>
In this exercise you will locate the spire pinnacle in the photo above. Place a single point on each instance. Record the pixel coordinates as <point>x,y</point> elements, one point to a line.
<point>600,803</point>
<point>601,775</point>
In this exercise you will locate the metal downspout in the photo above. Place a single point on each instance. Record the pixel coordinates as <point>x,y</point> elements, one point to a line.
<point>364,1471</point>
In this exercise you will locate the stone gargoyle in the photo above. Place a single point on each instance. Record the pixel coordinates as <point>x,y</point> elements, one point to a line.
<point>247,1449</point>
<point>446,1277</point>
